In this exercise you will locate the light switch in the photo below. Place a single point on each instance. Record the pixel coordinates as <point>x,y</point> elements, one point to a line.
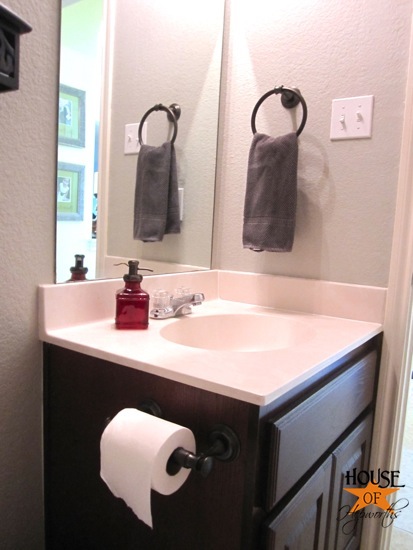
<point>132,145</point>
<point>352,117</point>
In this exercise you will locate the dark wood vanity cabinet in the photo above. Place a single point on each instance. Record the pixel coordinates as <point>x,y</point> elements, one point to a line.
<point>285,489</point>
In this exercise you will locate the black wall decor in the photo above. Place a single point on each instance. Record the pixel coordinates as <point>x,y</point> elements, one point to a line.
<point>11,27</point>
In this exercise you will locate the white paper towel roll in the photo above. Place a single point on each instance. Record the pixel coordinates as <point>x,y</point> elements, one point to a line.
<point>134,451</point>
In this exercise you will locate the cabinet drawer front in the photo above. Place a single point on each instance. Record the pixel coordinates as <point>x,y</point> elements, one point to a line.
<point>300,437</point>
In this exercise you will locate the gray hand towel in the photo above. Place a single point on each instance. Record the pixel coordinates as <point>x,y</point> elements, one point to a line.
<point>271,193</point>
<point>156,211</point>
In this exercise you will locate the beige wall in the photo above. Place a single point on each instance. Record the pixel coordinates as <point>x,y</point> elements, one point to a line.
<point>27,220</point>
<point>347,189</point>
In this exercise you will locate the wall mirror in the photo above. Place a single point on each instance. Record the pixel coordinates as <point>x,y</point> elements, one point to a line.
<point>119,58</point>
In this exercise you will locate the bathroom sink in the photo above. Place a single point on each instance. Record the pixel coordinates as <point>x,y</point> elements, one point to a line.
<point>237,332</point>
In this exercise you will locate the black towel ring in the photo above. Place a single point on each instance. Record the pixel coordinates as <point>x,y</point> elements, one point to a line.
<point>289,98</point>
<point>173,113</point>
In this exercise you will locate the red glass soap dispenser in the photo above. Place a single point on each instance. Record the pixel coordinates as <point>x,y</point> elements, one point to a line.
<point>78,271</point>
<point>132,303</point>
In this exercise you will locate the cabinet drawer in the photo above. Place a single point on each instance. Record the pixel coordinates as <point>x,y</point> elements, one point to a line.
<point>300,437</point>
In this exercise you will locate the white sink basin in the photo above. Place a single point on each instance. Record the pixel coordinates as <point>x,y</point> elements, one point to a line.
<point>237,332</point>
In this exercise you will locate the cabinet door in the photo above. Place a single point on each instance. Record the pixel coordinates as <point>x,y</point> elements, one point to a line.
<point>302,524</point>
<point>345,532</point>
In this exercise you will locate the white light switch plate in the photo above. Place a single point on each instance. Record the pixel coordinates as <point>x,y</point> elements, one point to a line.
<point>352,117</point>
<point>132,145</point>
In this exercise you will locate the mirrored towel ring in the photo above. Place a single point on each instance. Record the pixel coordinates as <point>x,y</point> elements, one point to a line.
<point>173,112</point>
<point>290,97</point>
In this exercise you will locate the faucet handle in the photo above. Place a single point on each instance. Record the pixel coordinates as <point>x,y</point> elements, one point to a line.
<point>161,299</point>
<point>181,293</point>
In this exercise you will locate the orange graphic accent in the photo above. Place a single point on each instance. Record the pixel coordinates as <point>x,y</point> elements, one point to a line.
<point>372,494</point>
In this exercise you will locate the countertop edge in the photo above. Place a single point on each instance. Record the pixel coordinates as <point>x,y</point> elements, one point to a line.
<point>208,385</point>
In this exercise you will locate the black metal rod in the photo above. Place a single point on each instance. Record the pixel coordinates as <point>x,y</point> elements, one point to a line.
<point>225,446</point>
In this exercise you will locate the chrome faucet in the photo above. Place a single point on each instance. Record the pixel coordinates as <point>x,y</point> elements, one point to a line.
<point>175,306</point>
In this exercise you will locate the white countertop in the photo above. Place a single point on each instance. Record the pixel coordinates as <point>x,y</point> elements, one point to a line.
<point>256,377</point>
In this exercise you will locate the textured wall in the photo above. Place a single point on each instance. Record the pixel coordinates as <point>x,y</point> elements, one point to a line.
<point>27,222</point>
<point>347,189</point>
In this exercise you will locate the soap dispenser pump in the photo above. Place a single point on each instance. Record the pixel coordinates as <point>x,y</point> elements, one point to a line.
<point>132,303</point>
<point>78,271</point>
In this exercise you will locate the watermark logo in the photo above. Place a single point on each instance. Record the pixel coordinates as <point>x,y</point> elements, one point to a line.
<point>372,493</point>
<point>372,488</point>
